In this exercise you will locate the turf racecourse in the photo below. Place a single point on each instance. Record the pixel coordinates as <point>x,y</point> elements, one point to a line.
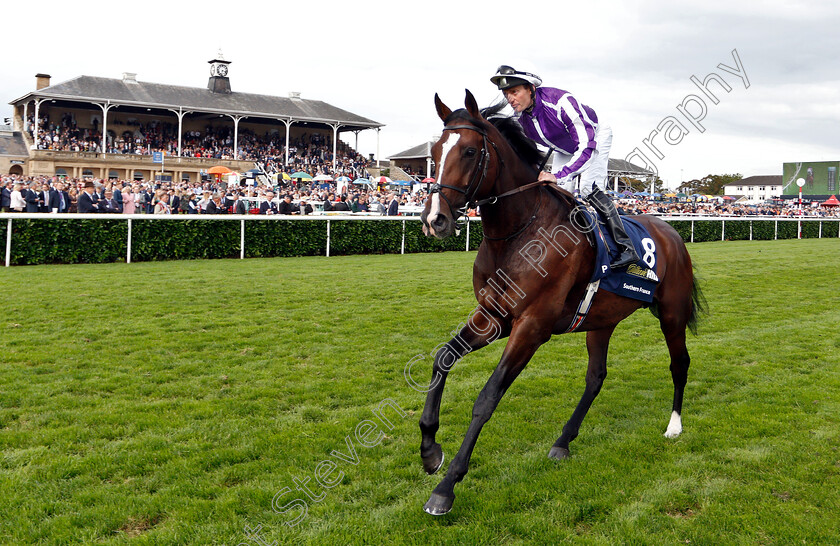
<point>169,403</point>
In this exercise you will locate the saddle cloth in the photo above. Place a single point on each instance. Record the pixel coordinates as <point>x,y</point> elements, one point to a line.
<point>639,280</point>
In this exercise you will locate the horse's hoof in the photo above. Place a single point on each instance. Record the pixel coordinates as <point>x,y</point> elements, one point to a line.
<point>558,453</point>
<point>438,505</point>
<point>433,462</point>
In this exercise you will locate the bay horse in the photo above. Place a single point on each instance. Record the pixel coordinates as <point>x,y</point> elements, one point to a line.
<point>492,164</point>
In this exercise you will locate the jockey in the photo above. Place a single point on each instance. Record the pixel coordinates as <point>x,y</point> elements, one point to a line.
<point>580,145</point>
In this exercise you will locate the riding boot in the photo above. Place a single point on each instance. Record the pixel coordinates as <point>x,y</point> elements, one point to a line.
<point>606,209</point>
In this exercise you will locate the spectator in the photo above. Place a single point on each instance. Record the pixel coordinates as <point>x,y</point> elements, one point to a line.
<point>269,206</point>
<point>192,203</point>
<point>393,205</point>
<point>48,198</point>
<point>33,200</point>
<point>304,208</point>
<point>88,203</point>
<point>16,201</point>
<point>215,205</point>
<point>73,194</point>
<point>110,204</point>
<point>162,205</point>
<point>62,197</point>
<point>174,200</point>
<point>6,196</point>
<point>238,205</point>
<point>286,206</point>
<point>128,206</point>
<point>205,200</point>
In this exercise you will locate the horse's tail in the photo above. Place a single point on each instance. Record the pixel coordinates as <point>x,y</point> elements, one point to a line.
<point>699,306</point>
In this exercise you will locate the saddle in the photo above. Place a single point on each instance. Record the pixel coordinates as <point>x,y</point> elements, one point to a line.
<point>638,281</point>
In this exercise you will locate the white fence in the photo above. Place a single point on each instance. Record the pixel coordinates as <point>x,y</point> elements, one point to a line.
<point>10,217</point>
<point>241,218</point>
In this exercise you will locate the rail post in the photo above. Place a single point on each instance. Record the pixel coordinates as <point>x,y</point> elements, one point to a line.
<point>9,243</point>
<point>242,240</point>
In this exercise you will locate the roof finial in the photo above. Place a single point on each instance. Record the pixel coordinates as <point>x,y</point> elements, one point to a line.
<point>220,56</point>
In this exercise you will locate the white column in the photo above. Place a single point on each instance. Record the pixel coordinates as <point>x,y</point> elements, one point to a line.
<point>37,124</point>
<point>180,113</point>
<point>288,124</point>
<point>236,120</point>
<point>25,116</point>
<point>105,107</point>
<point>335,127</point>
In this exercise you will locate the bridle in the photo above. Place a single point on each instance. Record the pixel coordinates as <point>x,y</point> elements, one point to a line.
<point>475,183</point>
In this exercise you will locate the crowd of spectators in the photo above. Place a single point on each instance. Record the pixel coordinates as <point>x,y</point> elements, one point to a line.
<point>716,208</point>
<point>56,194</point>
<point>308,152</point>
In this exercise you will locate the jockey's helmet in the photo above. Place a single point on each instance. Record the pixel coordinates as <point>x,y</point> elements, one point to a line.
<point>507,77</point>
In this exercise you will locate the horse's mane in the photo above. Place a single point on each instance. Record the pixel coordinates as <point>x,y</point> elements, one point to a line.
<point>510,130</point>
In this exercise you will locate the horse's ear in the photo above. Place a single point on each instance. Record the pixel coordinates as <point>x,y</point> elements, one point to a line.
<point>442,109</point>
<point>471,104</point>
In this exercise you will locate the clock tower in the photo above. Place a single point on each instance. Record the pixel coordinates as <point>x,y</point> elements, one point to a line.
<point>219,81</point>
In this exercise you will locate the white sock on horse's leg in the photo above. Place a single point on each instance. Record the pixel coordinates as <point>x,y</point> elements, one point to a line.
<point>674,426</point>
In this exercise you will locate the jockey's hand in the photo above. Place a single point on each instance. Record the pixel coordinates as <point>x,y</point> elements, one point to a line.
<point>546,177</point>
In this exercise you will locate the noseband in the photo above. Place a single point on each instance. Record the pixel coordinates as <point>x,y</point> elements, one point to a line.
<point>477,178</point>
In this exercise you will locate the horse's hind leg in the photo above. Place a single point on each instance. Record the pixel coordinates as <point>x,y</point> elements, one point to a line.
<point>597,344</point>
<point>674,329</point>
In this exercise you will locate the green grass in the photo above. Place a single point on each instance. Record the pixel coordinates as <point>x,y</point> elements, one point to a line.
<point>167,403</point>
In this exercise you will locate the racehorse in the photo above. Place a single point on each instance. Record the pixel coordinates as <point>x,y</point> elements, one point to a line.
<point>493,165</point>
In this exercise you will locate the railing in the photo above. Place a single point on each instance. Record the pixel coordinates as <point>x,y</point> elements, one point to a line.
<point>242,219</point>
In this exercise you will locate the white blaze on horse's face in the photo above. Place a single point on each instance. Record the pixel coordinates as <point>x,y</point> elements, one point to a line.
<point>434,210</point>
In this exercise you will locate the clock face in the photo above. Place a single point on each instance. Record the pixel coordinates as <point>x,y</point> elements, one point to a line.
<point>222,70</point>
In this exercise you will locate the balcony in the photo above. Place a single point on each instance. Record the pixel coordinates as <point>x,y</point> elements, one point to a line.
<point>135,160</point>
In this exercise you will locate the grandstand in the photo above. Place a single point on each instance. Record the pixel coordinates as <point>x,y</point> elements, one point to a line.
<point>109,128</point>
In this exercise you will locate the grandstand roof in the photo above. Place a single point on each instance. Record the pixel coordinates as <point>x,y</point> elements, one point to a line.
<point>421,151</point>
<point>11,143</point>
<point>155,95</point>
<point>759,180</point>
<point>620,166</point>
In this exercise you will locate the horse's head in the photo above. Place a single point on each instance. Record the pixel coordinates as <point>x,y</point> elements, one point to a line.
<point>462,157</point>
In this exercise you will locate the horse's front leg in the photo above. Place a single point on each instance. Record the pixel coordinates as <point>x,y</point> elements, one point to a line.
<point>523,343</point>
<point>468,339</point>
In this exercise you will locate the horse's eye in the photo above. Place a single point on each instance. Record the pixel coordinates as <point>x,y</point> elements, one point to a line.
<point>469,152</point>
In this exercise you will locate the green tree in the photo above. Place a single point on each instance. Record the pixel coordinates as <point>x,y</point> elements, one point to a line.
<point>711,184</point>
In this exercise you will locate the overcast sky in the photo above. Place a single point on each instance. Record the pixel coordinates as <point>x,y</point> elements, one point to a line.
<point>630,61</point>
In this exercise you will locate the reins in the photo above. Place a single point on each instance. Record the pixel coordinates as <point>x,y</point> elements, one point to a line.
<point>473,187</point>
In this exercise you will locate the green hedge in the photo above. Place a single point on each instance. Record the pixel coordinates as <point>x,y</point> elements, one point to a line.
<point>102,241</point>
